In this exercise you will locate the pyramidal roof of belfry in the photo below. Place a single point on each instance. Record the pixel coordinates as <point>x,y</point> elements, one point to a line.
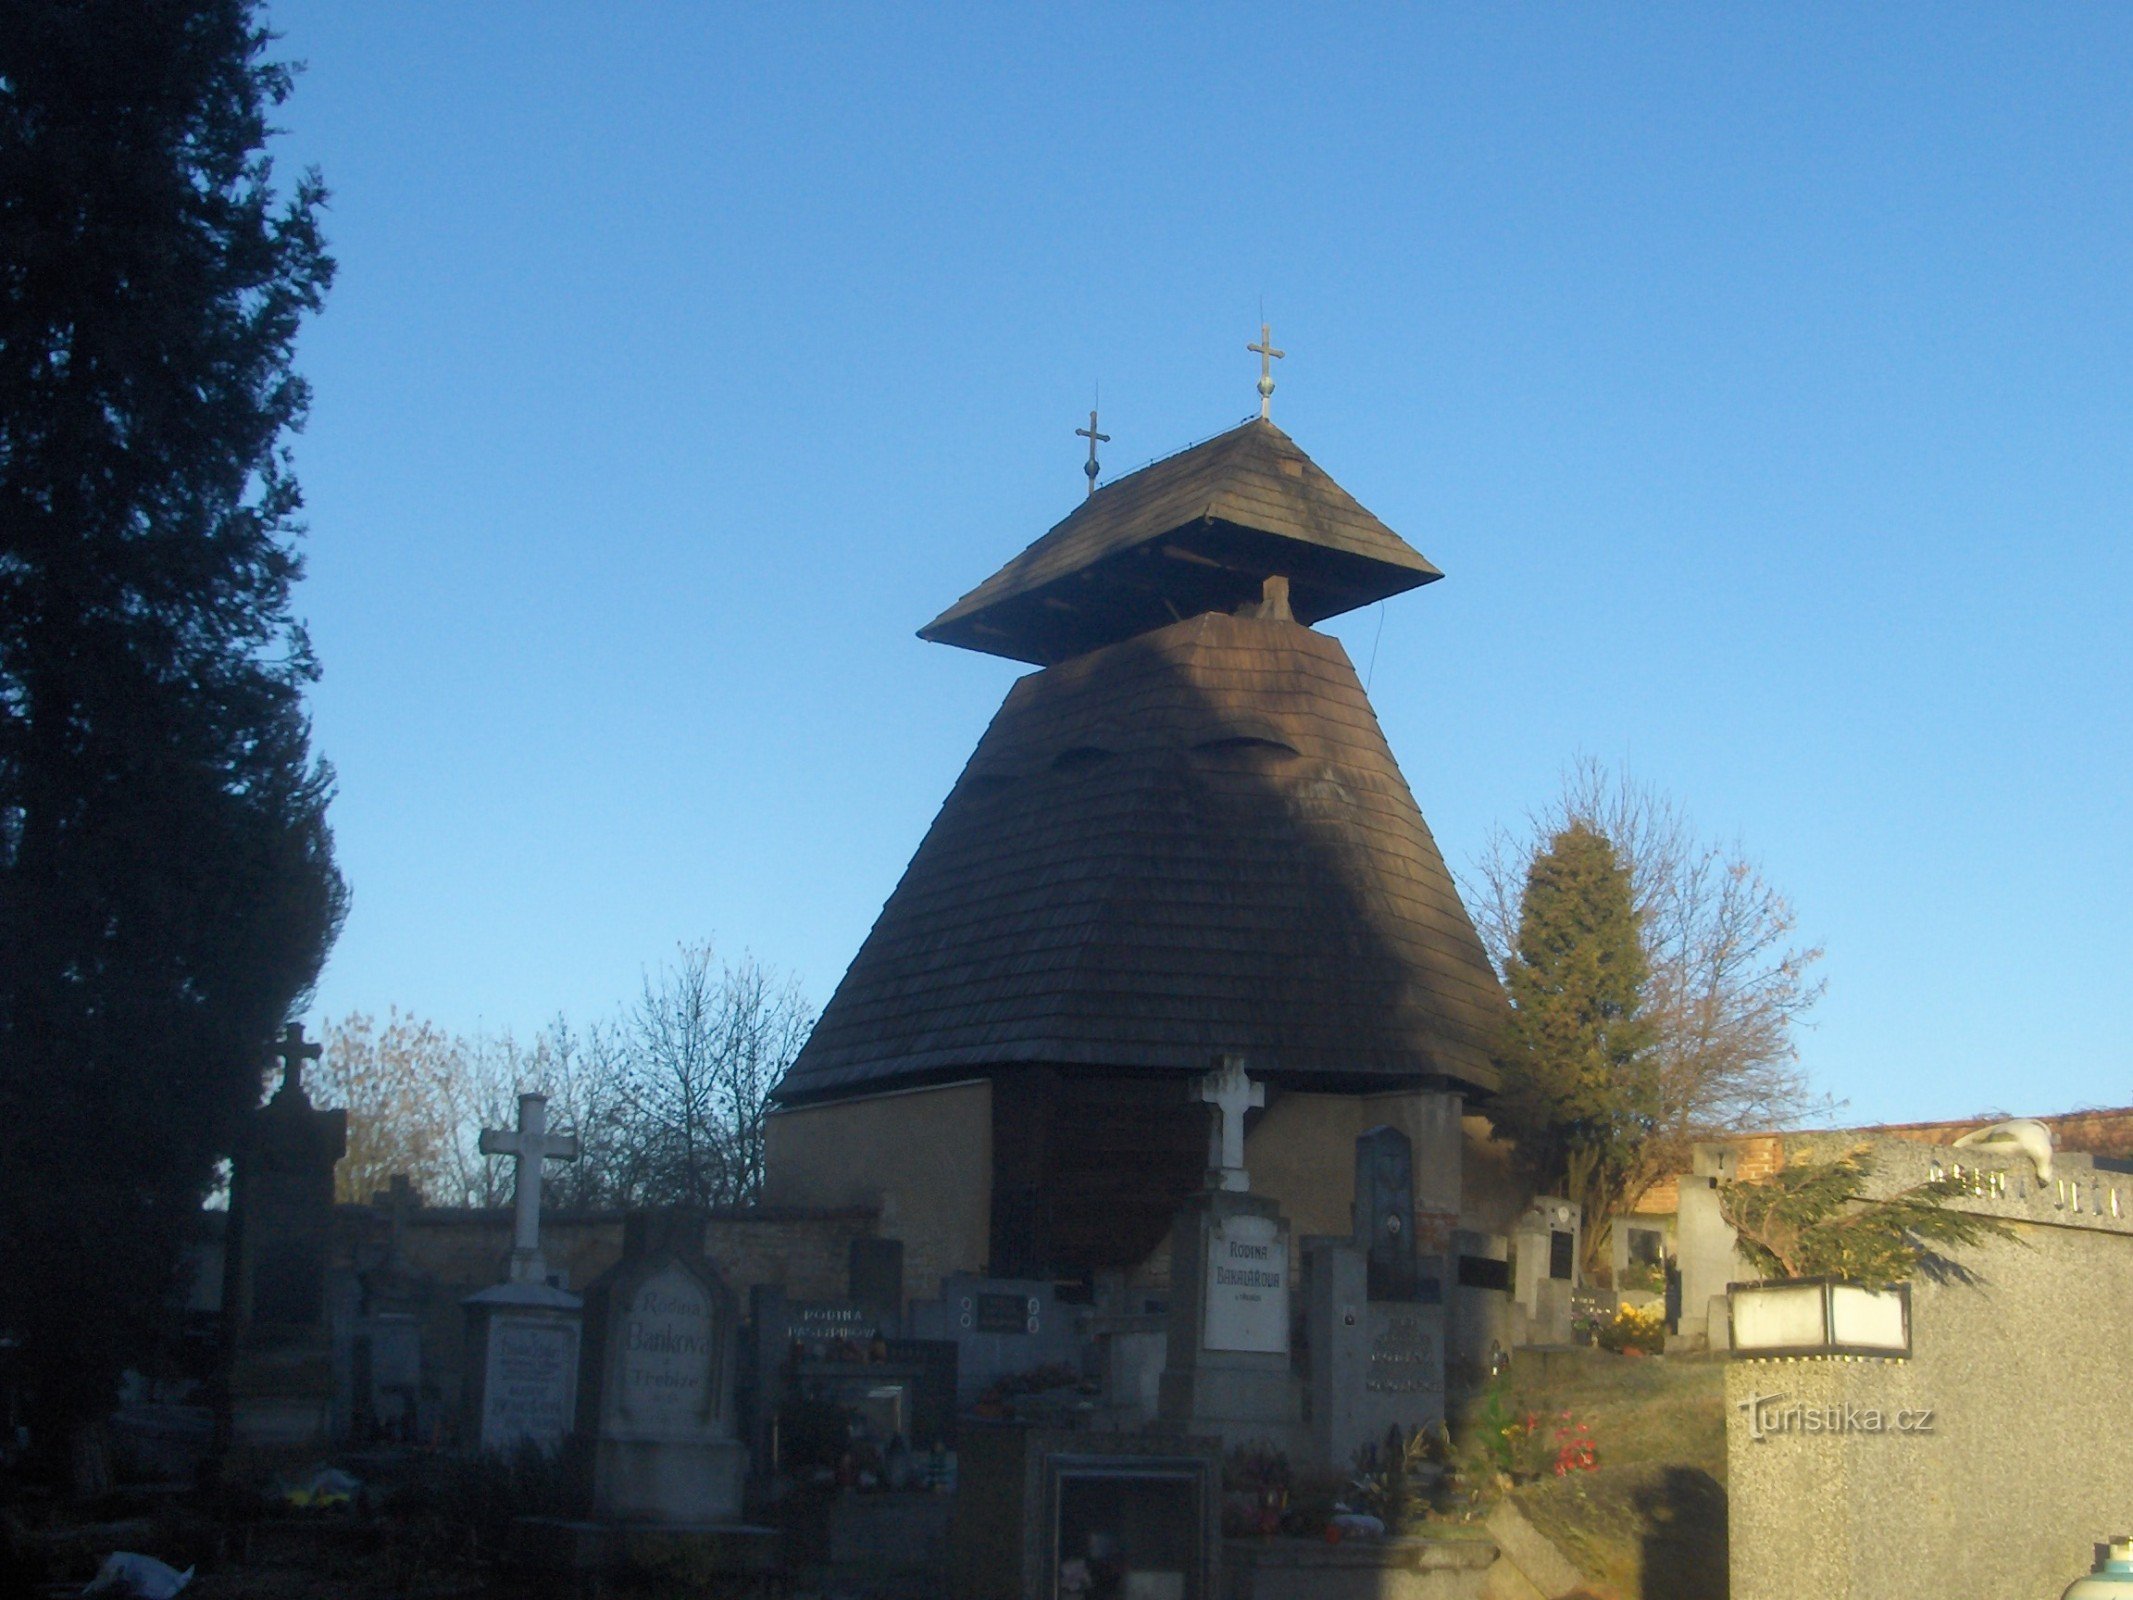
<point>1186,836</point>
<point>1194,532</point>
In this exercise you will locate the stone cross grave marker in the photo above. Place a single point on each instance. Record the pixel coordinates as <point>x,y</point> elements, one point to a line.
<point>293,1050</point>
<point>1231,1093</point>
<point>531,1144</point>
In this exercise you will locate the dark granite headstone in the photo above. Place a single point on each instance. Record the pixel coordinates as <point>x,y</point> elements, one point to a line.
<point>1385,1211</point>
<point>1560,1246</point>
<point>1001,1327</point>
<point>281,1380</point>
<point>876,1271</point>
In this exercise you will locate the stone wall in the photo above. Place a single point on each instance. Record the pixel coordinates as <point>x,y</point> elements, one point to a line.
<point>921,1158</point>
<point>2096,1132</point>
<point>2018,1470</point>
<point>442,1255</point>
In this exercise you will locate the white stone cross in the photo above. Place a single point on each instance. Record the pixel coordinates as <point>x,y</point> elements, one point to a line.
<point>1232,1094</point>
<point>531,1145</point>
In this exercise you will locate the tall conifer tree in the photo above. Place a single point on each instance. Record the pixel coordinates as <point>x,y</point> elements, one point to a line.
<point>167,887</point>
<point>1580,1089</point>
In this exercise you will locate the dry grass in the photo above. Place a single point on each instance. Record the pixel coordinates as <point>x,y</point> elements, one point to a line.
<point>1649,1523</point>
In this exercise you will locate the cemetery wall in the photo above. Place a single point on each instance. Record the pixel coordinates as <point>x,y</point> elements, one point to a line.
<point>803,1251</point>
<point>444,1255</point>
<point>1997,1462</point>
<point>921,1158</point>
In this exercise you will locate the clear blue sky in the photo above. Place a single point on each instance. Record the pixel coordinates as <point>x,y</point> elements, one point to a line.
<point>1762,379</point>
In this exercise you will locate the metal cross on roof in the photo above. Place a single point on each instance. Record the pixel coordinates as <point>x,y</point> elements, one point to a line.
<point>1267,355</point>
<point>531,1145</point>
<point>1089,433</point>
<point>292,1051</point>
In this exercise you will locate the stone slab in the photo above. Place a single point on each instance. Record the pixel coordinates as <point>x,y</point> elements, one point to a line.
<point>1542,1565</point>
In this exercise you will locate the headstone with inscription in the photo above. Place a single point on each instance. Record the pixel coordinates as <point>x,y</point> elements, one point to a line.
<point>522,1343</point>
<point>522,1334</point>
<point>1375,1315</point>
<point>657,1391</point>
<point>1228,1369</point>
<point>1001,1328</point>
<point>813,1354</point>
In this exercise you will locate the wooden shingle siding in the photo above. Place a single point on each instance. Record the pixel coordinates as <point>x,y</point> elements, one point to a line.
<point>1228,860</point>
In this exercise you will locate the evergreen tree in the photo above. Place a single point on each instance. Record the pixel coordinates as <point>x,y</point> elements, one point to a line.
<point>167,887</point>
<point>1580,1090</point>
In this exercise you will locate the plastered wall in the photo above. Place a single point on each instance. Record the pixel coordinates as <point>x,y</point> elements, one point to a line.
<point>922,1158</point>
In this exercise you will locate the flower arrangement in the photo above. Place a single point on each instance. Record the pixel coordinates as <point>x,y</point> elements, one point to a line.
<point>1575,1450</point>
<point>1524,1446</point>
<point>1633,1328</point>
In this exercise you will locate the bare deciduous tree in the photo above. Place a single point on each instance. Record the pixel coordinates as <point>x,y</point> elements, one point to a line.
<point>667,1100</point>
<point>709,1041</point>
<point>1727,983</point>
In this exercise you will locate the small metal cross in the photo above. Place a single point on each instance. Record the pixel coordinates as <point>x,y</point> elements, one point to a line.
<point>1267,355</point>
<point>1089,433</point>
<point>293,1050</point>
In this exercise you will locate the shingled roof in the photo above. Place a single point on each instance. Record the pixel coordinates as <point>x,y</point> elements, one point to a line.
<point>1192,841</point>
<point>1197,531</point>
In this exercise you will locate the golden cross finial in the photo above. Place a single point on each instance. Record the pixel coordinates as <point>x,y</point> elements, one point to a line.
<point>1267,355</point>
<point>1089,433</point>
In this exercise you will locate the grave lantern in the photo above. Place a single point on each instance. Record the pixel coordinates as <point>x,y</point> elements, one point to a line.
<point>2112,1576</point>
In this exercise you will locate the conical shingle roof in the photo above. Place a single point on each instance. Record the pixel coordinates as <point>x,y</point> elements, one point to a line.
<point>1192,841</point>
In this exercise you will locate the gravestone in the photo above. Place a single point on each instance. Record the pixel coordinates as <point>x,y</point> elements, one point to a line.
<point>1707,1254</point>
<point>656,1394</point>
<point>1545,1269</point>
<point>389,1393</point>
<point>1081,1514</point>
<point>1376,1321</point>
<point>282,1384</point>
<point>522,1334</point>
<point>1385,1211</point>
<point>811,1354</point>
<point>1637,1246</point>
<point>1478,1335</point>
<point>1001,1327</point>
<point>1228,1370</point>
